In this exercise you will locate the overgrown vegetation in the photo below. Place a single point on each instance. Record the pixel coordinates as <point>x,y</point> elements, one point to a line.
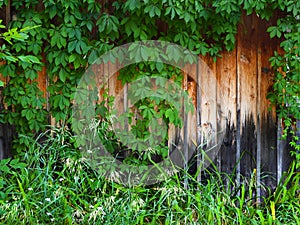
<point>72,34</point>
<point>10,36</point>
<point>50,183</point>
<point>156,101</point>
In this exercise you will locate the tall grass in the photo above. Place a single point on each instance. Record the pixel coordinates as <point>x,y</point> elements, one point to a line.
<point>51,184</point>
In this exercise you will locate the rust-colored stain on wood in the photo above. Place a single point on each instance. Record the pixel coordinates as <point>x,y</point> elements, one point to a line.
<point>42,81</point>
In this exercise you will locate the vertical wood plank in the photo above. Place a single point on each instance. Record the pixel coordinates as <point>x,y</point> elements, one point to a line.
<point>207,113</point>
<point>227,98</point>
<point>238,131</point>
<point>125,104</point>
<point>7,14</point>
<point>42,81</point>
<point>110,79</point>
<point>185,134</point>
<point>198,119</point>
<point>247,91</point>
<point>238,110</point>
<point>268,121</point>
<point>116,89</point>
<point>192,89</point>
<point>258,154</point>
<point>280,147</point>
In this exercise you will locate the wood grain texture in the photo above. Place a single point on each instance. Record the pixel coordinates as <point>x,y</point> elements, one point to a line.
<point>267,113</point>
<point>247,91</point>
<point>227,98</point>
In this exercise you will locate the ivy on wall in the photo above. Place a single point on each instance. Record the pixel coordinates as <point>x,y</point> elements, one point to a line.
<point>286,94</point>
<point>72,34</point>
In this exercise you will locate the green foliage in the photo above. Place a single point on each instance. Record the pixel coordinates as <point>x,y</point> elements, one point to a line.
<point>286,88</point>
<point>155,104</point>
<point>15,35</point>
<point>72,34</point>
<point>50,183</point>
<point>153,101</point>
<point>24,97</point>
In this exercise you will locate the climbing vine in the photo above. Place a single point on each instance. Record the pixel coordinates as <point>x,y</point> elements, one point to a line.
<point>72,34</point>
<point>286,94</point>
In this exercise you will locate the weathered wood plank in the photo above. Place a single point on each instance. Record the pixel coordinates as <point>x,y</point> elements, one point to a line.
<point>247,91</point>
<point>266,46</point>
<point>116,88</point>
<point>42,81</point>
<point>259,126</point>
<point>227,97</point>
<point>192,89</point>
<point>208,120</point>
<point>185,134</point>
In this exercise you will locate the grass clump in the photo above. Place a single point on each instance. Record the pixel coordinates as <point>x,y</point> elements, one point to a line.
<point>51,184</point>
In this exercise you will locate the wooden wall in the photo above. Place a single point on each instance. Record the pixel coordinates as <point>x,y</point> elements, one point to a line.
<point>252,143</point>
<point>237,84</point>
<point>245,78</point>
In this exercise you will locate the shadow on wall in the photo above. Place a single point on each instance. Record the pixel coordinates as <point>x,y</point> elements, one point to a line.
<point>6,134</point>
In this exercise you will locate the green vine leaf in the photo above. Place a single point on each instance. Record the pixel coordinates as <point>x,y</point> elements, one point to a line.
<point>67,36</point>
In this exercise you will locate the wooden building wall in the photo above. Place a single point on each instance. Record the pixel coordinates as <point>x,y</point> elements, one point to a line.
<point>238,83</point>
